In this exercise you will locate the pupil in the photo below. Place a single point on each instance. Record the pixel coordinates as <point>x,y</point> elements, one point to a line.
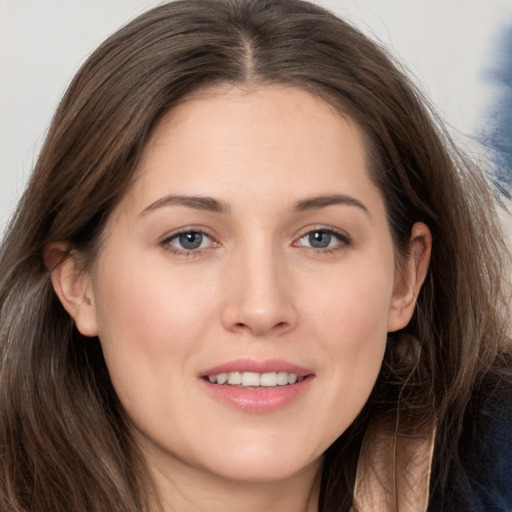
<point>191,240</point>
<point>319,239</point>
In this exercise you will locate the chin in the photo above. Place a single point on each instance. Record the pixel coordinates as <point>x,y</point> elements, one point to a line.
<point>256,464</point>
<point>271,470</point>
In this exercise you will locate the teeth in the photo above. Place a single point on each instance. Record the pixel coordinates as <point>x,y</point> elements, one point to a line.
<point>282,378</point>
<point>234,378</point>
<point>252,379</point>
<point>268,379</point>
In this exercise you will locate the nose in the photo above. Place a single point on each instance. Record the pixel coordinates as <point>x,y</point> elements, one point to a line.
<point>259,295</point>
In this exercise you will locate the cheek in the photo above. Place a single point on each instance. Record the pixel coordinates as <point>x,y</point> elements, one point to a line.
<point>351,327</point>
<point>144,296</point>
<point>354,310</point>
<point>148,322</point>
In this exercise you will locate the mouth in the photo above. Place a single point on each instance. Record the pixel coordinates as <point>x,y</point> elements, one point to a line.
<point>257,386</point>
<point>254,380</point>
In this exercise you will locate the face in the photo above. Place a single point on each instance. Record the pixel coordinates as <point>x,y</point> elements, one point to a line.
<point>253,248</point>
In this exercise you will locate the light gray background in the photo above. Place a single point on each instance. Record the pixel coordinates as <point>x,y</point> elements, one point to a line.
<point>447,46</point>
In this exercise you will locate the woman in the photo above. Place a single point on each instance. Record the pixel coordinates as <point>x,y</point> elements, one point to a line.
<point>250,271</point>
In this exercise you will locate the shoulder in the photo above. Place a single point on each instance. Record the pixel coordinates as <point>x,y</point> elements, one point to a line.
<point>481,480</point>
<point>486,446</point>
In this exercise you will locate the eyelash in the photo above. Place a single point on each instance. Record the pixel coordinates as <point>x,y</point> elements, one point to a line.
<point>166,243</point>
<point>343,239</point>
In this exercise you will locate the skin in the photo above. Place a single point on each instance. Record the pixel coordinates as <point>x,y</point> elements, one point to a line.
<point>256,288</point>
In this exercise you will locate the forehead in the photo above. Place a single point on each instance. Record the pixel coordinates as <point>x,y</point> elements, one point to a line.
<point>273,144</point>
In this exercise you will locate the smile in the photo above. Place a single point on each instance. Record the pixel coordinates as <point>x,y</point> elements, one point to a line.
<point>253,379</point>
<point>257,386</point>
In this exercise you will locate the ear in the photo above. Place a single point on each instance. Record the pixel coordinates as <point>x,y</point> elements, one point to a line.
<point>73,285</point>
<point>410,278</point>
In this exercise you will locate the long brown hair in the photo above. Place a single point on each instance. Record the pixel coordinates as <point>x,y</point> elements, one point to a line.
<point>64,439</point>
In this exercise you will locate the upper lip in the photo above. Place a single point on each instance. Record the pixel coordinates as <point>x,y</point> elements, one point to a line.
<point>257,366</point>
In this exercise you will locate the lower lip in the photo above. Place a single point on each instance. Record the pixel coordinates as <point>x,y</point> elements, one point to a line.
<point>258,399</point>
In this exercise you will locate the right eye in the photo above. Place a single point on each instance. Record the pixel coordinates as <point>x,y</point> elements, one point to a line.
<point>188,241</point>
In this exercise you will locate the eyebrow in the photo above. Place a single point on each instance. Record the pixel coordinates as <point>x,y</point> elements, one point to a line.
<point>317,202</point>
<point>208,204</point>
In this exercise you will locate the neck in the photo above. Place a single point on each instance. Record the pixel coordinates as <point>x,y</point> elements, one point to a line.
<point>184,488</point>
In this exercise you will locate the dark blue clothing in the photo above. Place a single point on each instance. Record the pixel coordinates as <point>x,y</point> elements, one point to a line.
<point>482,480</point>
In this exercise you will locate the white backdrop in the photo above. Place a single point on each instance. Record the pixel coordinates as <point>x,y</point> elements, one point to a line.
<point>447,45</point>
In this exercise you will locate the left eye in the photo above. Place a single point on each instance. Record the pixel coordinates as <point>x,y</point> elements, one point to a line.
<point>189,240</point>
<point>321,239</point>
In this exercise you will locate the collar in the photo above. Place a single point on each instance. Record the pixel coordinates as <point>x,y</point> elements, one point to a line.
<point>393,472</point>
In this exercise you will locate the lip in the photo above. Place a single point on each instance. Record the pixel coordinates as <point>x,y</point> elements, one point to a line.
<point>257,399</point>
<point>253,365</point>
